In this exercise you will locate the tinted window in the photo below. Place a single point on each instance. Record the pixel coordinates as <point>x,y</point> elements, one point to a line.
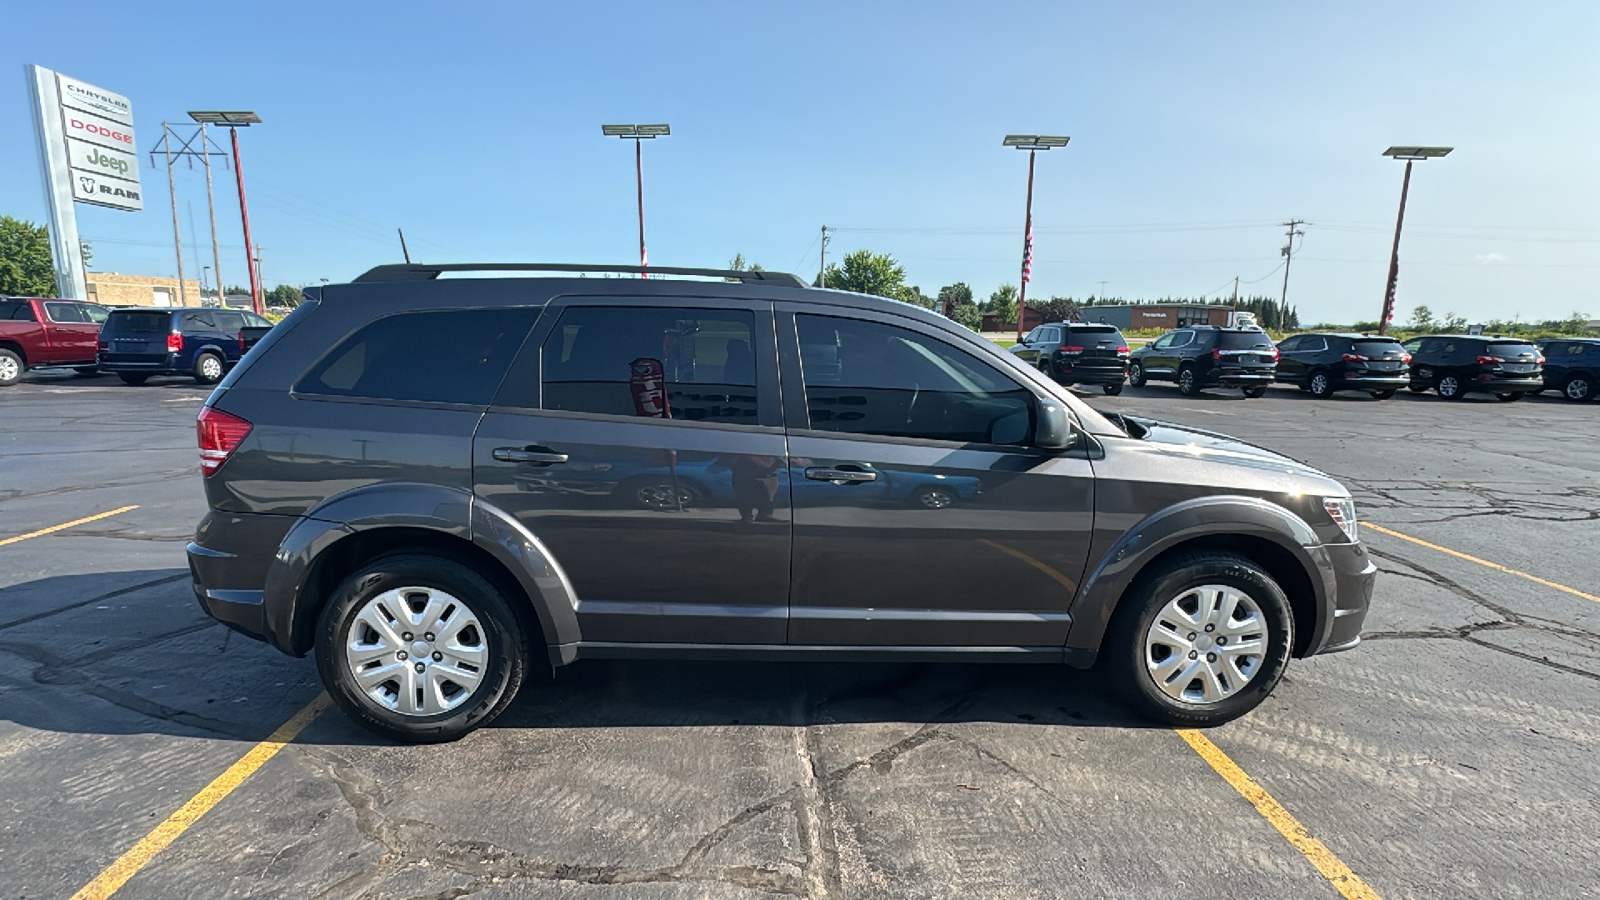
<point>1244,340</point>
<point>446,356</point>
<point>1292,343</point>
<point>1511,349</point>
<point>64,312</point>
<point>1034,336</point>
<point>94,313</point>
<point>1183,339</point>
<point>138,323</point>
<point>1052,336</point>
<point>229,321</point>
<point>16,311</point>
<point>621,360</point>
<point>194,321</point>
<point>892,381</point>
<point>255,321</point>
<point>1375,348</point>
<point>1163,342</point>
<point>1575,349</point>
<point>1095,330</point>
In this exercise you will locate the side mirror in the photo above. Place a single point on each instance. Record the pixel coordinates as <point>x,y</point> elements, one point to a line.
<point>1054,429</point>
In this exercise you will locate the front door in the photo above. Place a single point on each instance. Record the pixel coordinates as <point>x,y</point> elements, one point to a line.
<point>73,336</point>
<point>641,442</point>
<point>922,517</point>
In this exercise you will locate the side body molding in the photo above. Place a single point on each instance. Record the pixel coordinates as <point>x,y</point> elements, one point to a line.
<point>1117,566</point>
<point>428,507</point>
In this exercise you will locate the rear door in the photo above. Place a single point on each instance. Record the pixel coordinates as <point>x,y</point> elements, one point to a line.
<point>230,325</point>
<point>72,333</point>
<point>641,440</point>
<point>136,336</point>
<point>1377,357</point>
<point>922,515</point>
<point>1159,360</point>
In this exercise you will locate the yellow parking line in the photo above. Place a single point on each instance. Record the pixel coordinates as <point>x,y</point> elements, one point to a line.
<point>129,864</point>
<point>55,528</point>
<point>1338,874</point>
<point>1482,562</point>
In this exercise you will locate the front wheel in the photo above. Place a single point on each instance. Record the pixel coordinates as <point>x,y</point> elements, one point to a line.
<point>1188,384</point>
<point>1255,392</point>
<point>1136,376</point>
<point>208,369</point>
<point>1201,640</point>
<point>420,648</point>
<point>1451,388</point>
<point>1112,389</point>
<point>1579,387</point>
<point>1381,395</point>
<point>1321,385</point>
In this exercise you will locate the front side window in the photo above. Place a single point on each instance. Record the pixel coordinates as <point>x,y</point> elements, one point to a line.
<point>64,313</point>
<point>870,378</point>
<point>440,356</point>
<point>1289,345</point>
<point>93,313</point>
<point>1034,336</point>
<point>695,365</point>
<point>1164,341</point>
<point>1182,338</point>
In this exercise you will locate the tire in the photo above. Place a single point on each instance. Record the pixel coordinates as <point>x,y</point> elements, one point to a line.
<point>1579,388</point>
<point>1509,396</point>
<point>935,498</point>
<point>11,367</point>
<point>1145,634</point>
<point>1188,383</point>
<point>1450,388</point>
<point>1417,388</point>
<point>1320,385</point>
<point>86,370</point>
<point>387,590</point>
<point>1044,368</point>
<point>1112,389</point>
<point>1136,375</point>
<point>208,368</point>
<point>1382,395</point>
<point>1255,392</point>
<point>133,378</point>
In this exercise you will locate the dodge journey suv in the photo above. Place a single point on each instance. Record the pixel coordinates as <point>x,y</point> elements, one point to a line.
<point>446,485</point>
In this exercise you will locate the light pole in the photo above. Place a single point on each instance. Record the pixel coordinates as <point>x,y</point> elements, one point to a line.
<point>1410,155</point>
<point>638,134</point>
<point>234,120</point>
<point>1031,143</point>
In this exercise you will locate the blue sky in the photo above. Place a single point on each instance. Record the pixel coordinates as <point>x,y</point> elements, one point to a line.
<point>1196,129</point>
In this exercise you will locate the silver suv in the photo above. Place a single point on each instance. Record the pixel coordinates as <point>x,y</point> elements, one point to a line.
<point>444,486</point>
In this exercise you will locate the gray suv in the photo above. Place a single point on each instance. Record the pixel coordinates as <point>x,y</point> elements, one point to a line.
<point>441,485</point>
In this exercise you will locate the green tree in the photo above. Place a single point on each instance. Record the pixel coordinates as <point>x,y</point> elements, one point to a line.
<point>1003,303</point>
<point>866,272</point>
<point>283,295</point>
<point>914,295</point>
<point>952,296</point>
<point>1453,323</point>
<point>738,264</point>
<point>26,269</point>
<point>1059,309</point>
<point>1422,319</point>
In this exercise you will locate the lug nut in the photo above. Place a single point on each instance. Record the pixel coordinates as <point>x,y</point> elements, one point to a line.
<point>421,667</point>
<point>1221,641</point>
<point>406,636</point>
<point>1193,654</point>
<point>1192,635</point>
<point>1211,628</point>
<point>428,636</point>
<point>1211,657</point>
<point>438,657</point>
<point>401,655</point>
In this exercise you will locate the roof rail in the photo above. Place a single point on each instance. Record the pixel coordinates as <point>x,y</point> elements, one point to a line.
<point>423,272</point>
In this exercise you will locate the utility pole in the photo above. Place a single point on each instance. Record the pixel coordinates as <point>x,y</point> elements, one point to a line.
<point>211,203</point>
<point>822,261</point>
<point>177,237</point>
<point>1233,318</point>
<point>1103,290</point>
<point>1288,257</point>
<point>187,150</point>
<point>261,283</point>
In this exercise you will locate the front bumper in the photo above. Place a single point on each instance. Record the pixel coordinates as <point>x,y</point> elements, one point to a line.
<point>1354,574</point>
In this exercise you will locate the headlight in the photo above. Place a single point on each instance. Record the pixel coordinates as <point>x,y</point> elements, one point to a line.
<point>1343,512</point>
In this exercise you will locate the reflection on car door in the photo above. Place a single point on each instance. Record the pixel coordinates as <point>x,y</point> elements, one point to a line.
<point>924,519</point>
<point>641,441</point>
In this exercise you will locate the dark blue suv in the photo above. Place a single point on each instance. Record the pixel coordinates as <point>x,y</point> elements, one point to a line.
<point>136,343</point>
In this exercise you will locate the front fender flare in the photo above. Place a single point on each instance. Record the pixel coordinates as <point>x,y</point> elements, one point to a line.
<point>1221,516</point>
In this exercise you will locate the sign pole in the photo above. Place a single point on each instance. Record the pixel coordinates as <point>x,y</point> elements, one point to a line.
<point>1394,256</point>
<point>1027,251</point>
<point>66,254</point>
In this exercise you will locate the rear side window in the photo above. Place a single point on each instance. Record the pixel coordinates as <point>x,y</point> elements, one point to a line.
<point>16,311</point>
<point>229,321</point>
<point>443,356</point>
<point>694,365</point>
<point>64,313</point>
<point>138,323</point>
<point>1242,340</point>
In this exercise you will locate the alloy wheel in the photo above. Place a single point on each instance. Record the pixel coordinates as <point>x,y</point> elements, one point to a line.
<point>1206,644</point>
<point>1578,388</point>
<point>210,368</point>
<point>417,651</point>
<point>9,370</point>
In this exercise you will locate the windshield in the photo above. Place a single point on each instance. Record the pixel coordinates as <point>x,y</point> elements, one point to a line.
<point>1243,340</point>
<point>138,323</point>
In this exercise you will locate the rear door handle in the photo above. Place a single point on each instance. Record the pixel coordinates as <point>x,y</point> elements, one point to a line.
<point>531,454</point>
<point>846,473</point>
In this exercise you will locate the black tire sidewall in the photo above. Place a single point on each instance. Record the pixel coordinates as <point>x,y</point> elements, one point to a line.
<point>1124,648</point>
<point>1112,390</point>
<point>133,378</point>
<point>1193,385</point>
<point>503,633</point>
<point>200,360</point>
<point>1136,376</point>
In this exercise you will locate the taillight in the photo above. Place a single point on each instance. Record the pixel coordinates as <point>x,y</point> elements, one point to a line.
<point>1071,349</point>
<point>174,343</point>
<point>1216,354</point>
<point>1355,357</point>
<point>1489,360</point>
<point>219,434</point>
<point>1405,358</point>
<point>1122,350</point>
<point>1275,356</point>
<point>241,339</point>
<point>1539,361</point>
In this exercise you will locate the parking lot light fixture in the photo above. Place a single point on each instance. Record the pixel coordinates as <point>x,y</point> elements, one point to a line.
<point>1410,155</point>
<point>638,134</point>
<point>1032,143</point>
<point>233,120</point>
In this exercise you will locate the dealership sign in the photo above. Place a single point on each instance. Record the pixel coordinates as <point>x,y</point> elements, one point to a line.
<point>97,126</point>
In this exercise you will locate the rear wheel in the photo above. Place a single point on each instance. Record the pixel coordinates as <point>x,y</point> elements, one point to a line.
<point>11,367</point>
<point>1509,396</point>
<point>134,378</point>
<point>1201,640</point>
<point>1136,375</point>
<point>1113,389</point>
<point>420,648</point>
<point>1044,368</point>
<point>208,369</point>
<point>1579,387</point>
<point>1382,395</point>
<point>1255,392</point>
<point>1417,388</point>
<point>1188,384</point>
<point>935,498</point>
<point>1321,385</point>
<point>86,370</point>
<point>1450,387</point>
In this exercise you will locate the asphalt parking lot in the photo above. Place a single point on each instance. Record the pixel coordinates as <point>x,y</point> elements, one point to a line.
<point>1455,753</point>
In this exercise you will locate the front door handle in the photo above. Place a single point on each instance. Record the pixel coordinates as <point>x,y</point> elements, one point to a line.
<point>531,454</point>
<point>845,473</point>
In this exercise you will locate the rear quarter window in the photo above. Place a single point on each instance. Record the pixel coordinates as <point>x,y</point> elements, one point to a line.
<point>439,356</point>
<point>16,311</point>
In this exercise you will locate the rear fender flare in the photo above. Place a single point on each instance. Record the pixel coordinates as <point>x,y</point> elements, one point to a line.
<point>1220,516</point>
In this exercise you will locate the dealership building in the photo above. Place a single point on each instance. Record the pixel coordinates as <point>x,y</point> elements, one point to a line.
<point>111,289</point>
<point>1156,315</point>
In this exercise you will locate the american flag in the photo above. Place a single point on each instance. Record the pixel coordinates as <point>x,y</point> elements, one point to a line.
<point>1027,254</point>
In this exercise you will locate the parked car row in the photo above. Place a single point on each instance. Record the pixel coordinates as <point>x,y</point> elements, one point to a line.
<point>132,342</point>
<point>1197,357</point>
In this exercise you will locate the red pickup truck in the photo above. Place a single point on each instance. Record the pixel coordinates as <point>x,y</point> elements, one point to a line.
<point>37,333</point>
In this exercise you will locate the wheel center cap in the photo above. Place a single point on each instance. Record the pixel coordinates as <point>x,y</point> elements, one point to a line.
<point>1203,642</point>
<point>421,649</point>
